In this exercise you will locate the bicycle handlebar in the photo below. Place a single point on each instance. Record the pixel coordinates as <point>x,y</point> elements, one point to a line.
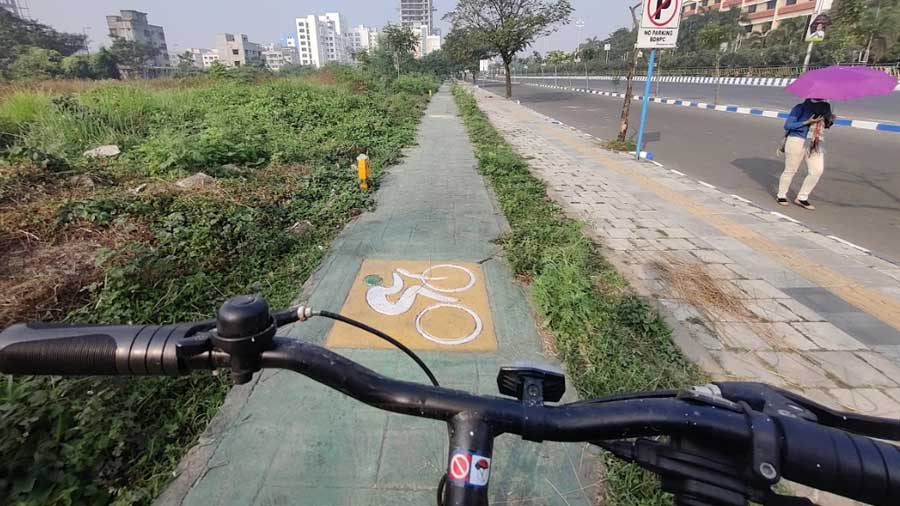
<point>48,349</point>
<point>826,458</point>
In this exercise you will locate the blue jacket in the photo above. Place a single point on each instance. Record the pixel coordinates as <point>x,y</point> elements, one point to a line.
<point>794,124</point>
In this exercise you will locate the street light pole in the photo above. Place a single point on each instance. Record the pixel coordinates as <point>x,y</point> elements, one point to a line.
<point>580,25</point>
<point>809,46</point>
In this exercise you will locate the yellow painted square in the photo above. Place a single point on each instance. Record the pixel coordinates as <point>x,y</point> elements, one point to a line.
<point>426,305</point>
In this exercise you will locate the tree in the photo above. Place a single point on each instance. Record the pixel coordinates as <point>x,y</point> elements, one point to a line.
<point>18,35</point>
<point>509,26</point>
<point>466,49</point>
<point>629,81</point>
<point>400,42</point>
<point>77,66</point>
<point>132,55</point>
<point>104,65</point>
<point>714,37</point>
<point>37,63</point>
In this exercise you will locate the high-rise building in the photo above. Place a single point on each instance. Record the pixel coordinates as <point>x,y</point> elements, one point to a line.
<point>133,25</point>
<point>362,38</point>
<point>415,13</point>
<point>756,15</point>
<point>321,39</point>
<point>235,50</point>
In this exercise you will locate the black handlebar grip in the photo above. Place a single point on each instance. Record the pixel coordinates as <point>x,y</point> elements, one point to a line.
<point>846,464</point>
<point>87,350</point>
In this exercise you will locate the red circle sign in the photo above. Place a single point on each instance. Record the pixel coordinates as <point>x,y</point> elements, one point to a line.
<point>459,467</point>
<point>654,7</point>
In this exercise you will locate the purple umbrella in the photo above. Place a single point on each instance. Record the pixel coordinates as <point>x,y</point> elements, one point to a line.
<point>842,83</point>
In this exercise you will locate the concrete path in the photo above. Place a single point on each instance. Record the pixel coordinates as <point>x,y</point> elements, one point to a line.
<point>754,295</point>
<point>286,440</point>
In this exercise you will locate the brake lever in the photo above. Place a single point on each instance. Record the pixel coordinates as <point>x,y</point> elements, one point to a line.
<point>779,402</point>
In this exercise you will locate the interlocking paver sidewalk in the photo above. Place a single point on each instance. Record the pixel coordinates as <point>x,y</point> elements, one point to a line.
<point>284,439</point>
<point>756,295</point>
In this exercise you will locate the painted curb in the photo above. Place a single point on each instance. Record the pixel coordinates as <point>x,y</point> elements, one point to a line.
<point>753,111</point>
<point>774,82</point>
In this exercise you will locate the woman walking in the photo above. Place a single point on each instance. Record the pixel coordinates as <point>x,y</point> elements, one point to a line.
<point>805,127</point>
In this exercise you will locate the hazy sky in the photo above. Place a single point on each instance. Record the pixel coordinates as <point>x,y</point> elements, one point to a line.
<point>194,23</point>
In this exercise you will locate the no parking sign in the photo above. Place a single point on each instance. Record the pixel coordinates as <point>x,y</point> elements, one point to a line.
<point>659,23</point>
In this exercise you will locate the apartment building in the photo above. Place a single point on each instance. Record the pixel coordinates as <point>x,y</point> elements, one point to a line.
<point>277,56</point>
<point>362,38</point>
<point>414,13</point>
<point>203,58</point>
<point>210,58</point>
<point>760,15</point>
<point>321,39</point>
<point>133,26</point>
<point>236,50</point>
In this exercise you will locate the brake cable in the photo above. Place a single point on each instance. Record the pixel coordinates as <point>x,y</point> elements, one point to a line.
<point>303,313</point>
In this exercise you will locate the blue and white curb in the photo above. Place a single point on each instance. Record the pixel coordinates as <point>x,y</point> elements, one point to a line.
<point>774,82</point>
<point>741,81</point>
<point>753,111</point>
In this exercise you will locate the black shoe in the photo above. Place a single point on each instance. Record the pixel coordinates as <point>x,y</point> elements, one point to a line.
<point>782,201</point>
<point>804,204</point>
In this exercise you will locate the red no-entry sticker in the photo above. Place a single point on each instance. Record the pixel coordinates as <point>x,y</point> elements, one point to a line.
<point>459,466</point>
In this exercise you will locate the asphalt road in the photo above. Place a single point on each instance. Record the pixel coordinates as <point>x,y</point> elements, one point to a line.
<point>857,199</point>
<point>883,109</point>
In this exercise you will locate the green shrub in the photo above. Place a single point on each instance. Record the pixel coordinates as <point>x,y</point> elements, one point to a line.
<point>417,84</point>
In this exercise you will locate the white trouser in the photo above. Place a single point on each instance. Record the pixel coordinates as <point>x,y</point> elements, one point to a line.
<point>794,154</point>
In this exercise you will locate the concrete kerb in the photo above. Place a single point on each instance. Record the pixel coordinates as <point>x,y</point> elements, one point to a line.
<point>753,111</point>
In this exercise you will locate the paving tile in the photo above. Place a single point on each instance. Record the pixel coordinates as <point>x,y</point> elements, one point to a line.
<point>712,257</point>
<point>787,337</point>
<point>850,369</point>
<point>882,363</point>
<point>827,336</point>
<point>771,310</point>
<point>794,369</point>
<point>759,289</point>
<point>820,300</point>
<point>865,328</point>
<point>746,366</point>
<point>867,401</point>
<point>742,336</point>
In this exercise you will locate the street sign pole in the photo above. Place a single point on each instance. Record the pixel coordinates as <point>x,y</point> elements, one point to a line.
<point>658,29</point>
<point>644,102</point>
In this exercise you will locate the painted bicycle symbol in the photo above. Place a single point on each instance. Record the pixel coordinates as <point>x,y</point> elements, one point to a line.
<point>377,298</point>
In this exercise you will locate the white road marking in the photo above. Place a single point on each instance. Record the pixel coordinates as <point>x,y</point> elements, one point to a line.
<point>784,216</point>
<point>848,243</point>
<point>704,183</point>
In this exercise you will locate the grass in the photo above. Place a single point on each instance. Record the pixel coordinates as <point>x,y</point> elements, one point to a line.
<point>610,339</point>
<point>122,243</point>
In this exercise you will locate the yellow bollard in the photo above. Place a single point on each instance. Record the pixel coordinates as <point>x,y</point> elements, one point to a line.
<point>362,167</point>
